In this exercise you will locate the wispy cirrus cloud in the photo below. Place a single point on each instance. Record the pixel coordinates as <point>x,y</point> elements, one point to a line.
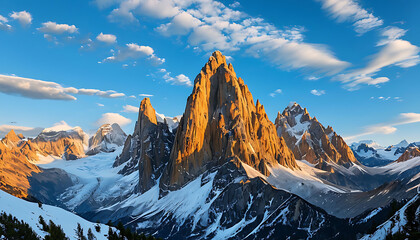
<point>395,52</point>
<point>277,91</point>
<point>388,127</point>
<point>4,23</point>
<point>38,89</point>
<point>351,11</point>
<point>317,92</point>
<point>130,109</point>
<point>210,25</point>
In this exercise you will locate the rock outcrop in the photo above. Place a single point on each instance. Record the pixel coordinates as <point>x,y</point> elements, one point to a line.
<point>310,140</point>
<point>69,144</point>
<point>148,149</point>
<point>107,139</point>
<point>14,166</point>
<point>221,121</point>
<point>410,152</point>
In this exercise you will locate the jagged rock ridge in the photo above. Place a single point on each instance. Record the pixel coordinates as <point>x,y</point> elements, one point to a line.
<point>107,139</point>
<point>221,122</point>
<point>310,140</point>
<point>148,149</point>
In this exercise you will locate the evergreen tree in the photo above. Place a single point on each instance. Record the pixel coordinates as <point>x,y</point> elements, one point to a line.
<point>79,233</point>
<point>90,235</point>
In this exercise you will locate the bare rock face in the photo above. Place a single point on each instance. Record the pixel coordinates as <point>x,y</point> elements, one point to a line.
<point>310,140</point>
<point>14,167</point>
<point>148,149</point>
<point>222,121</point>
<point>410,152</point>
<point>107,139</point>
<point>69,144</point>
<point>11,139</point>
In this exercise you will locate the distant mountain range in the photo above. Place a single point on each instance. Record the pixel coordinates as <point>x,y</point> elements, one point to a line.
<point>222,170</point>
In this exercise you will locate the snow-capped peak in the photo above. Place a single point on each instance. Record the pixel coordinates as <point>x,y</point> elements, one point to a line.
<point>171,121</point>
<point>369,143</point>
<point>61,126</point>
<point>403,144</point>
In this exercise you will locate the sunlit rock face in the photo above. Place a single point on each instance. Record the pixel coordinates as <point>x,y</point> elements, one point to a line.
<point>310,140</point>
<point>221,121</point>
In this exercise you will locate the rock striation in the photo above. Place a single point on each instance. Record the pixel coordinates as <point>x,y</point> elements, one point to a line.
<point>147,150</point>
<point>221,122</point>
<point>310,140</point>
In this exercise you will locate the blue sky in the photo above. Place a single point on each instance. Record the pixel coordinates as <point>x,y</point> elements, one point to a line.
<point>353,64</point>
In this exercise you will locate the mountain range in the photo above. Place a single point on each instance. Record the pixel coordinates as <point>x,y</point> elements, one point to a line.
<point>222,170</point>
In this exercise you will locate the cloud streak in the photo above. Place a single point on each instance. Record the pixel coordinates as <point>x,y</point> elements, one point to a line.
<point>351,11</point>
<point>38,89</point>
<point>211,25</point>
<point>387,128</point>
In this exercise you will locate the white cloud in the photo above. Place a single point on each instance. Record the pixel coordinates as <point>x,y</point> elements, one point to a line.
<point>397,52</point>
<point>130,109</point>
<point>317,92</point>
<point>38,89</point>
<point>210,25</point>
<point>391,34</point>
<point>26,131</point>
<point>135,51</point>
<point>277,91</point>
<point>145,95</point>
<point>350,10</point>
<point>387,128</point>
<point>152,8</point>
<point>23,17</point>
<point>181,24</point>
<point>3,23</point>
<point>113,118</point>
<point>54,28</point>
<point>107,38</point>
<point>180,79</point>
<point>100,105</point>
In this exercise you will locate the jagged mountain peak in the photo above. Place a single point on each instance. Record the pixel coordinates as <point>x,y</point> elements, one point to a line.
<point>11,138</point>
<point>147,110</point>
<point>221,121</point>
<point>310,140</point>
<point>106,139</point>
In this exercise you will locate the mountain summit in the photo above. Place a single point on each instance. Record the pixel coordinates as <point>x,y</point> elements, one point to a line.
<point>310,140</point>
<point>221,122</point>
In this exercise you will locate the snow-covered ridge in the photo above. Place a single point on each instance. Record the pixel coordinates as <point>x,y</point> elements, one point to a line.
<point>171,121</point>
<point>29,212</point>
<point>394,225</point>
<point>61,127</point>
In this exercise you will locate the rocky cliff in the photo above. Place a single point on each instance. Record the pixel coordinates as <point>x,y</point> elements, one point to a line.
<point>14,166</point>
<point>69,144</point>
<point>148,149</point>
<point>106,139</point>
<point>410,152</point>
<point>221,121</point>
<point>310,140</point>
